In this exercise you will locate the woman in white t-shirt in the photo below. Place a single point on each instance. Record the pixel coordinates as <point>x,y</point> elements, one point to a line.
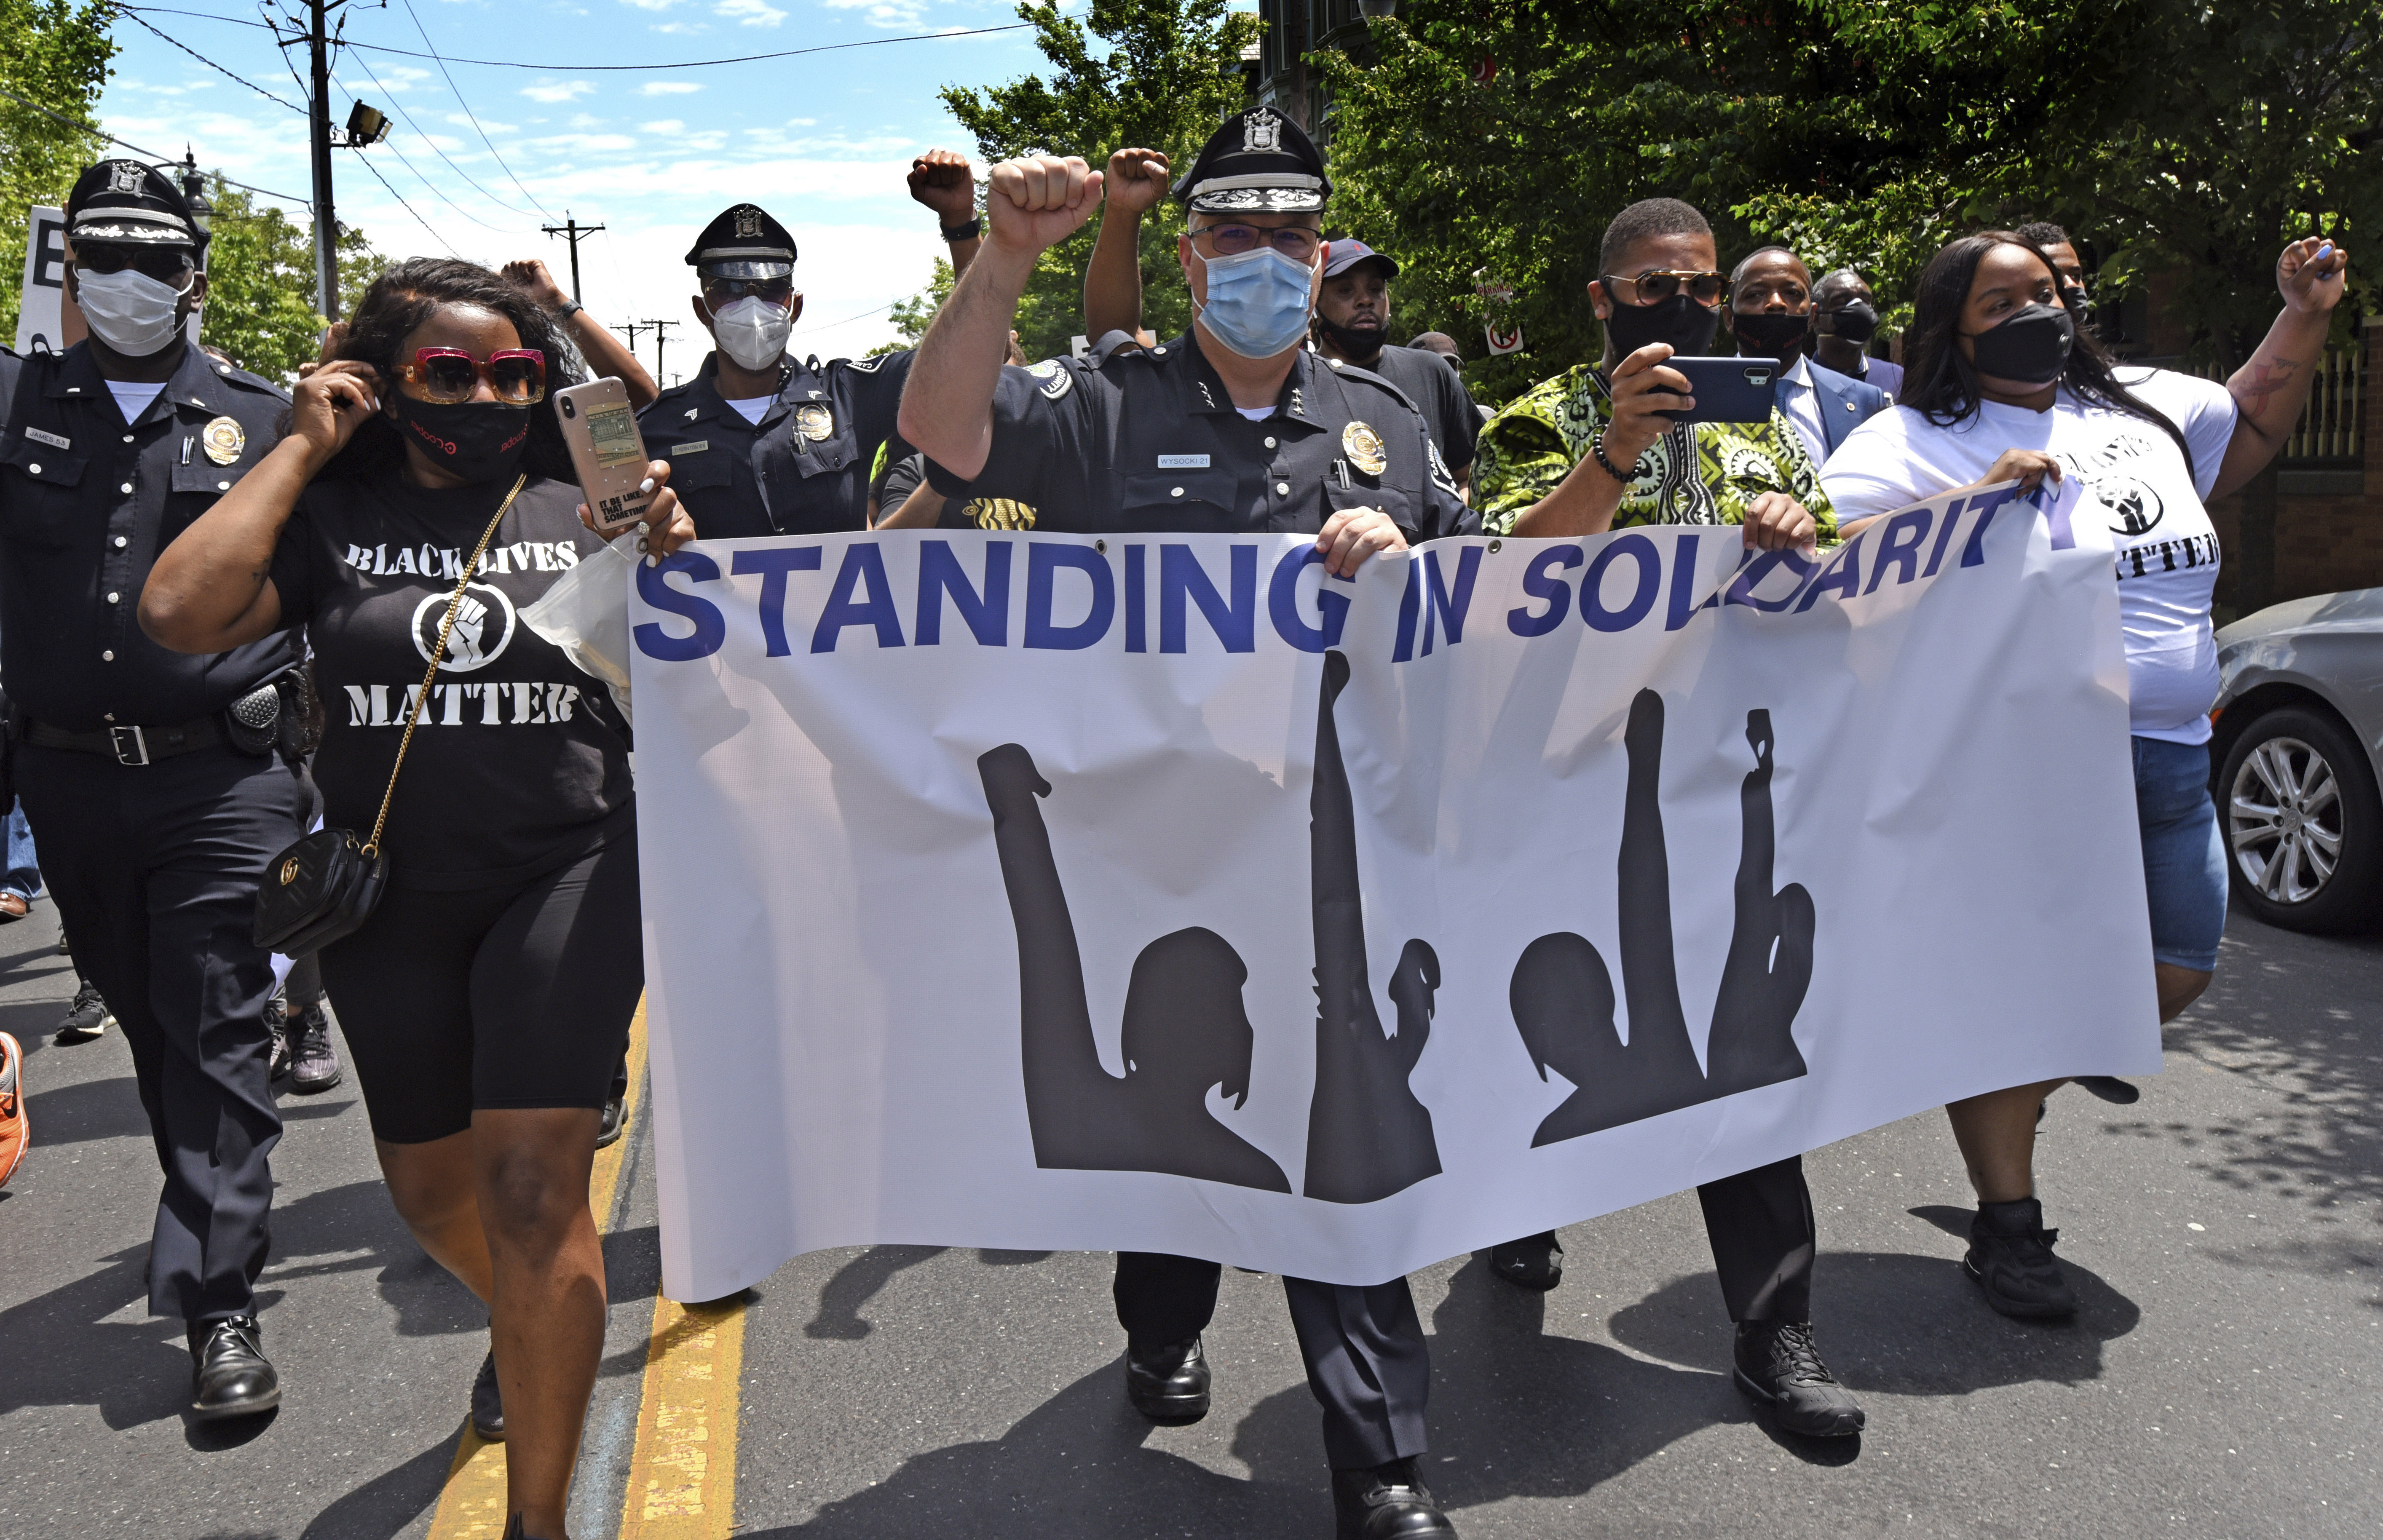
<point>1999,386</point>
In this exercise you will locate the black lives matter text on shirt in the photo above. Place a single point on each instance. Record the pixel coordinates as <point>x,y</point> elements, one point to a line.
<point>519,763</point>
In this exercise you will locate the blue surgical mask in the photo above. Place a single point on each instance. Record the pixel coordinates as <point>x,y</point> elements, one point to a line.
<point>1257,302</point>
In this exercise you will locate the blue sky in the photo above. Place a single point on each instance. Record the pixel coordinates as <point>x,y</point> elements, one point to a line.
<point>652,153</point>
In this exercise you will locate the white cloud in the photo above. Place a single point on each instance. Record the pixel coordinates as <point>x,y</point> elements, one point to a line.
<point>682,27</point>
<point>749,13</point>
<point>885,13</point>
<point>669,88</point>
<point>552,91</point>
<point>653,5</point>
<point>584,142</point>
<point>667,125</point>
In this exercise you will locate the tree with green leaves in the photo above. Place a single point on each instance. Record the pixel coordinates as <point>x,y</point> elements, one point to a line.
<point>260,307</point>
<point>1156,74</point>
<point>54,57</point>
<point>911,317</point>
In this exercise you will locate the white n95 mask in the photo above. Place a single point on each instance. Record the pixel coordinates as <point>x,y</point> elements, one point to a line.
<point>752,331</point>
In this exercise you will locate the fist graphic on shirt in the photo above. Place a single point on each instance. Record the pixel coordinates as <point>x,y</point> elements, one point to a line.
<point>465,639</point>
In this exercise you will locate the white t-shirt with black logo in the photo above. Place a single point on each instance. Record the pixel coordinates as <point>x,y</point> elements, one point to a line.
<point>520,763</point>
<point>2133,479</point>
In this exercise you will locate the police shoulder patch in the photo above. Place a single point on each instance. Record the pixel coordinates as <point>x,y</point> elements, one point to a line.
<point>1052,378</point>
<point>869,365</point>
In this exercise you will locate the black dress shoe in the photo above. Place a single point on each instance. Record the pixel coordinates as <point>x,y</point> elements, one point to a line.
<point>614,1120</point>
<point>1534,1261</point>
<point>1167,1383</point>
<point>1779,1366</point>
<point>488,1406</point>
<point>1388,1502</point>
<point>230,1377</point>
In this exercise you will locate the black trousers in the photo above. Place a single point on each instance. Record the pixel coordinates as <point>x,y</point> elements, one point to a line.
<point>1367,1364</point>
<point>154,870</point>
<point>1759,1223</point>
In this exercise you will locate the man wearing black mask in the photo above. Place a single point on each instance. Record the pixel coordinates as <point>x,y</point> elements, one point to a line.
<point>2066,267</point>
<point>1770,316</point>
<point>1844,318</point>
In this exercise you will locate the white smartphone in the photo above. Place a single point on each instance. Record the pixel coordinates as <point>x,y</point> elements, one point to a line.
<point>607,451</point>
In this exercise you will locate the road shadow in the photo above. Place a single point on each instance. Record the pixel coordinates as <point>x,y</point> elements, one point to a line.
<point>387,1503</point>
<point>858,1282</point>
<point>79,1113</point>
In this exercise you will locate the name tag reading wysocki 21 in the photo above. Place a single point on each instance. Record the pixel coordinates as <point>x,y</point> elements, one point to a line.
<point>1163,893</point>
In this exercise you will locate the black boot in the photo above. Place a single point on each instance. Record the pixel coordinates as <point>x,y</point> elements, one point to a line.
<point>1534,1261</point>
<point>2010,1256</point>
<point>230,1377</point>
<point>487,1404</point>
<point>1779,1366</point>
<point>1167,1383</point>
<point>1387,1502</point>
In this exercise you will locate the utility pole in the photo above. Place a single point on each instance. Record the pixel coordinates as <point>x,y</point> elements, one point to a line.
<point>659,328</point>
<point>632,328</point>
<point>570,230</point>
<point>318,135</point>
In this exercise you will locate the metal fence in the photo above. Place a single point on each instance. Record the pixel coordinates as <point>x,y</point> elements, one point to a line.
<point>2332,430</point>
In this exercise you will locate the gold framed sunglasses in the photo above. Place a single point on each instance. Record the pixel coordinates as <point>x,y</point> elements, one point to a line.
<point>1658,284</point>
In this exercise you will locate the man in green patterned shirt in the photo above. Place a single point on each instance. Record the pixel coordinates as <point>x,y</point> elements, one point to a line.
<point>1587,451</point>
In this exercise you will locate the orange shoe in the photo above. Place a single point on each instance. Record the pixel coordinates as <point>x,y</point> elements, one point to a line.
<point>12,1107</point>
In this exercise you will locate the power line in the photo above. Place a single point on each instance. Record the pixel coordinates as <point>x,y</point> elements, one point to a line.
<point>632,68</point>
<point>219,69</point>
<point>408,207</point>
<point>86,128</point>
<point>441,154</point>
<point>467,109</point>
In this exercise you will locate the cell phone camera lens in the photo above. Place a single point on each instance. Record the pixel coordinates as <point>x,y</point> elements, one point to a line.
<point>569,407</point>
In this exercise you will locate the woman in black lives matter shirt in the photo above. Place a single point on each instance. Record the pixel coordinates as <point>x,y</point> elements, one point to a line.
<point>487,1000</point>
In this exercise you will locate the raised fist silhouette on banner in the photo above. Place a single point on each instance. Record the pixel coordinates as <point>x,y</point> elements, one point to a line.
<point>1184,1030</point>
<point>1562,995</point>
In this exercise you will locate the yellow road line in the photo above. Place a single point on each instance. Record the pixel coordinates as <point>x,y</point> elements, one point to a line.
<point>472,1503</point>
<point>683,1476</point>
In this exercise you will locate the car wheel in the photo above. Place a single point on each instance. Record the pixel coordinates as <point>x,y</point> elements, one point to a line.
<point>2302,824</point>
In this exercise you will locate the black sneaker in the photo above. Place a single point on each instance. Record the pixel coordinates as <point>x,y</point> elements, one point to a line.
<point>314,1063</point>
<point>87,1017</point>
<point>1778,1365</point>
<point>1534,1261</point>
<point>2010,1256</point>
<point>616,1122</point>
<point>1388,1502</point>
<point>487,1405</point>
<point>1167,1382</point>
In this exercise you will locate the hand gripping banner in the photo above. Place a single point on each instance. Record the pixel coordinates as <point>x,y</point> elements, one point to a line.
<point>1162,892</point>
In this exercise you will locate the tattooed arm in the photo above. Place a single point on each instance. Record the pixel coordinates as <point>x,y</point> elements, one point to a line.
<point>2271,388</point>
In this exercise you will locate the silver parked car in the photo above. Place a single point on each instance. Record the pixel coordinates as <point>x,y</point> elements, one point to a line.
<point>2300,726</point>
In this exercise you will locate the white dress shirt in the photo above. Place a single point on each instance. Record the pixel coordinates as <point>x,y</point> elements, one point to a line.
<point>1802,404</point>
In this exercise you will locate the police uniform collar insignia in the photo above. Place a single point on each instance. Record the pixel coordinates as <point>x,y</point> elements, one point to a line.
<point>223,438</point>
<point>1297,405</point>
<point>1363,448</point>
<point>1206,397</point>
<point>814,422</point>
<point>1260,129</point>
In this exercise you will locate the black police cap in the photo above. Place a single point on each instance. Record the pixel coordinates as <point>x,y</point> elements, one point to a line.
<point>742,242</point>
<point>1256,162</point>
<point>131,203</point>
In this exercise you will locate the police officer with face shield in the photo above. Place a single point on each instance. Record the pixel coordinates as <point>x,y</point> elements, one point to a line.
<point>162,785</point>
<point>1235,426</point>
<point>760,442</point>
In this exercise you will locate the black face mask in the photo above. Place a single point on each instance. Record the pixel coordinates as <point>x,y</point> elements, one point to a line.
<point>2079,302</point>
<point>2031,347</point>
<point>475,441</point>
<point>1357,342</point>
<point>1767,333</point>
<point>1856,322</point>
<point>1680,321</point>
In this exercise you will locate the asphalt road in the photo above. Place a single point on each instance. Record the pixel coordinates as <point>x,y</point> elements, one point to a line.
<point>2224,1377</point>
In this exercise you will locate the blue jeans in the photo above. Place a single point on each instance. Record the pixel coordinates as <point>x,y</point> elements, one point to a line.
<point>24,877</point>
<point>2184,858</point>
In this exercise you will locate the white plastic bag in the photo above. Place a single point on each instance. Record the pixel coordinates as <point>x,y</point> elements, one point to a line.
<point>586,614</point>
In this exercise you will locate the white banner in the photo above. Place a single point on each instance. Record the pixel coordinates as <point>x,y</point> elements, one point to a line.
<point>1160,894</point>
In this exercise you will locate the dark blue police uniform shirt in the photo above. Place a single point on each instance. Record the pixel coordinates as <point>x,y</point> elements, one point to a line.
<point>87,501</point>
<point>1149,441</point>
<point>803,469</point>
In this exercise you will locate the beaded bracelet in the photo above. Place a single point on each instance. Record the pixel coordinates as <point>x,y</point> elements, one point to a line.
<point>1596,447</point>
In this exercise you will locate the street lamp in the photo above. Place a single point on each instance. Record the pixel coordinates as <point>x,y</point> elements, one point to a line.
<point>366,126</point>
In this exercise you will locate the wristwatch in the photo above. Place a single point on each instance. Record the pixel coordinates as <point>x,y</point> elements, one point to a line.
<point>568,309</point>
<point>969,231</point>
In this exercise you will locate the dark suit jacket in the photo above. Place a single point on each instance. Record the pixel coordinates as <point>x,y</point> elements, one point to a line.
<point>1845,403</point>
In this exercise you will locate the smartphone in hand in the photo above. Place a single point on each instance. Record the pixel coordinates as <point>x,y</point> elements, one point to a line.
<point>607,453</point>
<point>1728,390</point>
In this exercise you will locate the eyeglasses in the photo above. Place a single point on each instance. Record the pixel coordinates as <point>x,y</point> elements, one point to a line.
<point>1658,284</point>
<point>720,293</point>
<point>1295,241</point>
<point>169,264</point>
<point>447,376</point>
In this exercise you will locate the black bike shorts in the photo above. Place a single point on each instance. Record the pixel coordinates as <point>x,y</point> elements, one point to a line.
<point>506,997</point>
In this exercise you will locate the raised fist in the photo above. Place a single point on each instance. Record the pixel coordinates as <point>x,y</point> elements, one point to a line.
<point>1036,201</point>
<point>1137,180</point>
<point>941,180</point>
<point>464,639</point>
